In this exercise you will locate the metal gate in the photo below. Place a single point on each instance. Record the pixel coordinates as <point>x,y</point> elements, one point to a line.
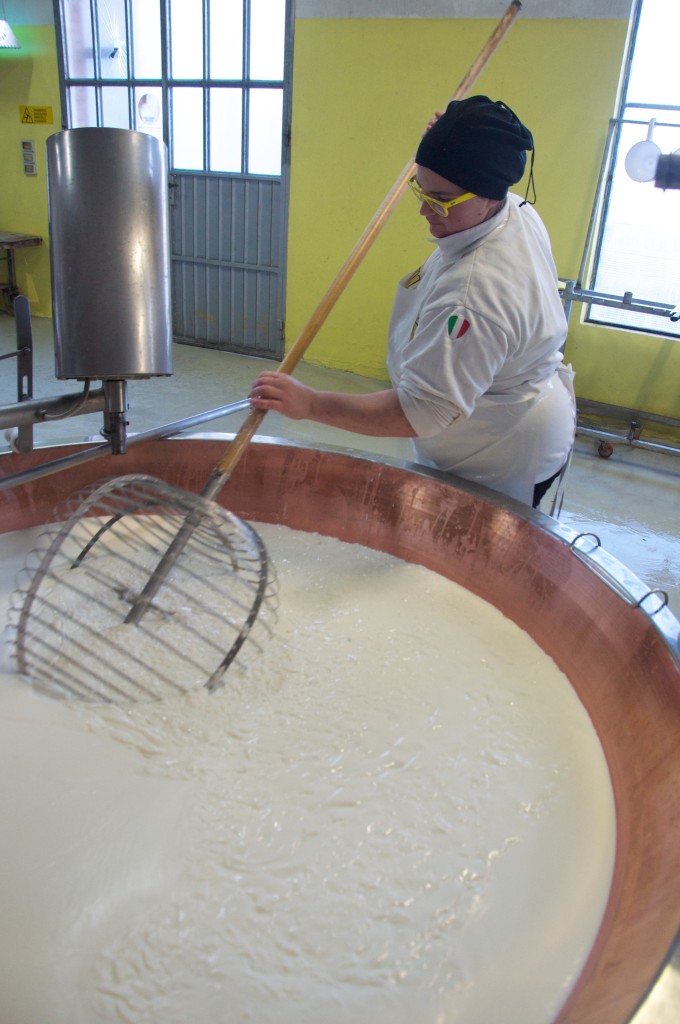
<point>227,263</point>
<point>212,78</point>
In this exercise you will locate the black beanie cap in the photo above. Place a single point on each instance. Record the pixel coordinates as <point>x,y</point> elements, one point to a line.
<point>478,145</point>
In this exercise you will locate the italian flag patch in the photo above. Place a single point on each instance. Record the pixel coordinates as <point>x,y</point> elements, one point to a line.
<point>457,326</point>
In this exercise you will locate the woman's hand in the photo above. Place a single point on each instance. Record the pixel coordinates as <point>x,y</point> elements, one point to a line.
<point>437,115</point>
<point>376,414</point>
<point>279,392</point>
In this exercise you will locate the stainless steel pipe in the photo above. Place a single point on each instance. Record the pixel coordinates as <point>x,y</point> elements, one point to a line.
<point>37,410</point>
<point>56,465</point>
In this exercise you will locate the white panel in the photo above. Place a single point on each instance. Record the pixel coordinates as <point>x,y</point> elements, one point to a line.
<point>226,39</point>
<point>112,39</point>
<point>78,35</point>
<point>267,39</point>
<point>654,75</point>
<point>115,109</point>
<point>186,32</point>
<point>149,110</point>
<point>83,106</point>
<point>460,9</point>
<point>225,130</point>
<point>146,22</point>
<point>187,136</point>
<point>264,137</point>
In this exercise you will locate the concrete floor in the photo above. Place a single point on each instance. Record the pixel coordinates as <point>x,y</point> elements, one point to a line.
<point>630,500</point>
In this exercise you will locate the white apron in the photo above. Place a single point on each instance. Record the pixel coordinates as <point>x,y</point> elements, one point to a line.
<point>485,448</point>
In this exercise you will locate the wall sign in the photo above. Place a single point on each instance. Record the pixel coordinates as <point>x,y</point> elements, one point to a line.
<point>35,115</point>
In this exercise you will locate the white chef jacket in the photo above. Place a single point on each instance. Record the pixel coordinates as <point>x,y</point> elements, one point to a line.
<point>474,355</point>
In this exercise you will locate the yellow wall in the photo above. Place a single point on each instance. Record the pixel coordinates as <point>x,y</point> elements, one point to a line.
<point>363,91</point>
<point>28,77</point>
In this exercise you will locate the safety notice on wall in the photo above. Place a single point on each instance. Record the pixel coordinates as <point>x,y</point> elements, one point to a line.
<point>35,115</point>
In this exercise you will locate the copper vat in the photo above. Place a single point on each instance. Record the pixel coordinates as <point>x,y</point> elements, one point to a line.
<point>623,660</point>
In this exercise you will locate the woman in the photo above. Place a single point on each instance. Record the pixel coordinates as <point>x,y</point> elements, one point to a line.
<point>474,353</point>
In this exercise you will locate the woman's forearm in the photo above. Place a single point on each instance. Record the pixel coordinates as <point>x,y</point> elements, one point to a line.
<point>377,414</point>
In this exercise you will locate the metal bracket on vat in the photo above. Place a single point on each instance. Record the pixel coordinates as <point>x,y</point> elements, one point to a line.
<point>25,476</point>
<point>605,567</point>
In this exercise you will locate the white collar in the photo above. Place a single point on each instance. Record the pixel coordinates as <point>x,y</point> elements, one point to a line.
<point>453,246</point>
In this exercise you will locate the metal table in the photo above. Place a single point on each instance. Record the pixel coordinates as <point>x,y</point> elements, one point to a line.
<point>9,241</point>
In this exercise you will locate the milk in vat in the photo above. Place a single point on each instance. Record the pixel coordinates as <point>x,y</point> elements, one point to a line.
<point>398,812</point>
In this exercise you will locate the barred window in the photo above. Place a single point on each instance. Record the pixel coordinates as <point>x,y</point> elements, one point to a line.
<point>637,246</point>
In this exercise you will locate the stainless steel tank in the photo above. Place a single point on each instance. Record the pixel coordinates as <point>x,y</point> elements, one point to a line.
<point>110,254</point>
<point>619,649</point>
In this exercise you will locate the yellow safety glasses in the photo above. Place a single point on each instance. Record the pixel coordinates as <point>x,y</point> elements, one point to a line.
<point>440,207</point>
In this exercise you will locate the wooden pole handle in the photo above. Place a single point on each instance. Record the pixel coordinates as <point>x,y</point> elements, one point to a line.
<point>344,275</point>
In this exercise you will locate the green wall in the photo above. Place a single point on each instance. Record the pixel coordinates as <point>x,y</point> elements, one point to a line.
<point>28,77</point>
<point>363,90</point>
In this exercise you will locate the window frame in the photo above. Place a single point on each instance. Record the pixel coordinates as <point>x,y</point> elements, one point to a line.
<point>166,82</point>
<point>595,312</point>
